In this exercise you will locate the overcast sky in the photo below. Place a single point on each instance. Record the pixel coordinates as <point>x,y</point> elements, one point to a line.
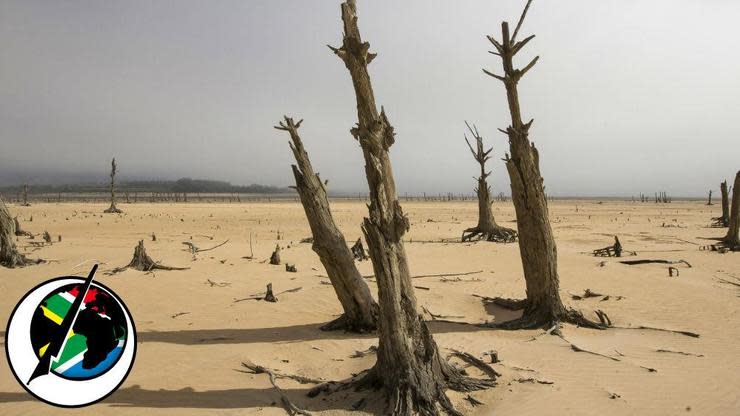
<point>629,96</point>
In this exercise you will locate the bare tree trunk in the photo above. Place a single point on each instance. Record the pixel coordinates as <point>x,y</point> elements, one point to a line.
<point>9,254</point>
<point>725,219</point>
<point>543,306</point>
<point>113,209</point>
<point>487,228</point>
<point>410,368</point>
<point>360,310</point>
<point>25,195</point>
<point>732,239</point>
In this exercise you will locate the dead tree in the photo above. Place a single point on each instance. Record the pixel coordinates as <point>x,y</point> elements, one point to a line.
<point>732,239</point>
<point>360,310</point>
<point>487,228</point>
<point>20,232</point>
<point>709,202</point>
<point>275,256</point>
<point>410,369</point>
<point>25,195</point>
<point>142,262</point>
<point>724,220</point>
<point>543,306</point>
<point>358,251</point>
<point>9,254</point>
<point>113,209</point>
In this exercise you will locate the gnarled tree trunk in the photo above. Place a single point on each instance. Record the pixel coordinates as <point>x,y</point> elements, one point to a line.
<point>9,254</point>
<point>113,209</point>
<point>732,239</point>
<point>543,306</point>
<point>360,310</point>
<point>410,368</point>
<point>487,228</point>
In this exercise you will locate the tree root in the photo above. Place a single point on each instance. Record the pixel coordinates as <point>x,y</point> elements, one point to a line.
<point>534,319</point>
<point>343,323</point>
<point>291,408</point>
<point>649,328</point>
<point>496,234</point>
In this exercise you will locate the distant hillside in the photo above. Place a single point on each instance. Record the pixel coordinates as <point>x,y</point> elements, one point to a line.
<point>186,185</point>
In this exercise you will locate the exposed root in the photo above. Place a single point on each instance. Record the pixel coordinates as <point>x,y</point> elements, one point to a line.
<point>343,323</point>
<point>649,328</point>
<point>495,234</point>
<point>291,408</point>
<point>258,369</point>
<point>142,262</point>
<point>576,348</point>
<point>534,319</point>
<point>679,352</point>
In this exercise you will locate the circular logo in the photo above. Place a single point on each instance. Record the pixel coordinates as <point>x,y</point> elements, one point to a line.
<point>71,341</point>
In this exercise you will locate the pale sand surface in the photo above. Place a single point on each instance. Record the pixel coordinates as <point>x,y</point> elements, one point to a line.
<point>186,365</point>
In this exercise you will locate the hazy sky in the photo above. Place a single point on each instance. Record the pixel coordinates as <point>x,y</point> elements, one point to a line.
<point>629,96</point>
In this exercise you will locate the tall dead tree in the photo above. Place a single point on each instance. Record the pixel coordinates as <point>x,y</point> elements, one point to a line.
<point>9,254</point>
<point>725,218</point>
<point>732,239</point>
<point>360,310</point>
<point>113,209</point>
<point>25,195</point>
<point>487,228</point>
<point>410,369</point>
<point>543,306</point>
<point>709,202</point>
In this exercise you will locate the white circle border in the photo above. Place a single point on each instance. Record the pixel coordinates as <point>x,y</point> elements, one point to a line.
<point>53,389</point>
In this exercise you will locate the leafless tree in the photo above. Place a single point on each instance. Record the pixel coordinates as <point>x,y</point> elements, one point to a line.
<point>113,209</point>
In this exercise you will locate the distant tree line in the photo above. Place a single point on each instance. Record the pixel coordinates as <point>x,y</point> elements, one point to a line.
<point>183,185</point>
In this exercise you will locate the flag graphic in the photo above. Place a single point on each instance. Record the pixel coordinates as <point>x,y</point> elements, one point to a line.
<point>94,335</point>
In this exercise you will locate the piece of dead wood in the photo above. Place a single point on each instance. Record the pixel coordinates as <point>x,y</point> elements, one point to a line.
<point>671,270</point>
<point>178,314</point>
<point>650,328</point>
<point>473,401</point>
<point>576,348</point>
<point>436,317</point>
<point>142,262</point>
<point>679,352</point>
<point>457,279</point>
<point>588,293</point>
<point>533,380</point>
<point>195,249</point>
<point>477,363</point>
<point>275,257</point>
<point>217,284</point>
<point>291,408</point>
<point>290,268</point>
<point>553,329</point>
<point>446,274</point>
<point>422,288</point>
<point>258,369</point>
<point>264,295</point>
<point>648,261</point>
<point>358,251</point>
<point>506,303</point>
<point>359,354</point>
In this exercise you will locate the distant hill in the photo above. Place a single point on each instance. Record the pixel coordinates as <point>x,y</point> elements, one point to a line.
<point>186,185</point>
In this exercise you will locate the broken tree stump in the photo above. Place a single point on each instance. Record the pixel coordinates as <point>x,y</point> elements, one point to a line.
<point>275,257</point>
<point>142,262</point>
<point>18,231</point>
<point>290,268</point>
<point>9,254</point>
<point>269,296</point>
<point>113,209</point>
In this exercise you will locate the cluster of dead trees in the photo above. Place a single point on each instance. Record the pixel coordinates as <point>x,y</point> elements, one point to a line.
<point>660,197</point>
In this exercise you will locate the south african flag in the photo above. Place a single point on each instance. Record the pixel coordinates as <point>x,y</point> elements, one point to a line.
<point>96,339</point>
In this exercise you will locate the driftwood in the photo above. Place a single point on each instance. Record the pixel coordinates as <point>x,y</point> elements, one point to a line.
<point>487,229</point>
<point>113,209</point>
<point>195,249</point>
<point>268,296</point>
<point>290,268</point>
<point>291,408</point>
<point>651,261</point>
<point>537,246</point>
<point>614,250</point>
<point>142,262</point>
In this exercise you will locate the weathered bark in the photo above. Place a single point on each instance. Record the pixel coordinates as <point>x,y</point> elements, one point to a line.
<point>732,239</point>
<point>487,228</point>
<point>113,209</point>
<point>536,243</point>
<point>9,254</point>
<point>725,218</point>
<point>410,369</point>
<point>360,310</point>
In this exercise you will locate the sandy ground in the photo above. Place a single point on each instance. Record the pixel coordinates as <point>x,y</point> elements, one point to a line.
<point>187,364</point>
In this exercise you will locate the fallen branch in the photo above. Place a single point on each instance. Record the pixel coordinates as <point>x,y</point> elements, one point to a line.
<point>633,262</point>
<point>679,352</point>
<point>649,328</point>
<point>478,363</point>
<point>194,249</point>
<point>291,408</point>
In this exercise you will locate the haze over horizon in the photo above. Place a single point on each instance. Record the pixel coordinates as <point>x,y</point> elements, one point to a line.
<point>627,96</point>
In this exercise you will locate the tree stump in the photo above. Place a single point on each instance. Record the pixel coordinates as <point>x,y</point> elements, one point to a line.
<point>18,231</point>
<point>269,296</point>
<point>360,310</point>
<point>487,229</point>
<point>142,262</point>
<point>358,251</point>
<point>275,257</point>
